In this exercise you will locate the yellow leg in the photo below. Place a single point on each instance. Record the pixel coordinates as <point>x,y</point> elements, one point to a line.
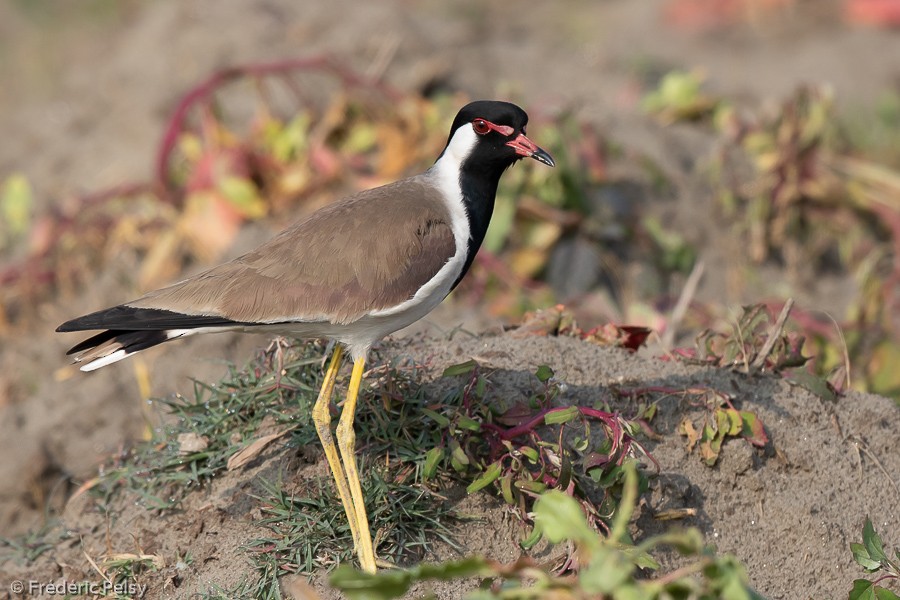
<point>321,416</point>
<point>346,439</point>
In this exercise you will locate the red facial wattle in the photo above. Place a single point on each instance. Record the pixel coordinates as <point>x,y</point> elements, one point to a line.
<point>521,144</point>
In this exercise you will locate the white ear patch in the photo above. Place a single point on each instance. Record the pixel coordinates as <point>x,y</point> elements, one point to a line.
<point>460,146</point>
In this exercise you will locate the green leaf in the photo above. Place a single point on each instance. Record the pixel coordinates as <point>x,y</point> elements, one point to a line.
<point>529,453</point>
<point>622,517</point>
<point>489,476</point>
<point>678,90</point>
<point>543,373</point>
<point>243,195</point>
<point>734,421</point>
<point>389,584</point>
<point>438,418</point>
<point>752,429</point>
<point>502,222</point>
<point>862,558</point>
<point>528,485</point>
<point>465,422</point>
<point>506,487</point>
<point>710,444</point>
<point>885,594</point>
<point>432,459</point>
<point>560,518</point>
<point>642,560</point>
<point>562,415</point>
<point>862,590</point>
<point>873,542</point>
<point>16,200</point>
<point>533,538</point>
<point>608,478</point>
<point>358,585</point>
<point>460,369</point>
<point>361,138</point>
<point>607,570</point>
<point>686,542</point>
<point>813,383</point>
<point>289,140</point>
<point>734,585</point>
<point>459,460</point>
<point>480,386</point>
<point>723,422</point>
<point>631,591</point>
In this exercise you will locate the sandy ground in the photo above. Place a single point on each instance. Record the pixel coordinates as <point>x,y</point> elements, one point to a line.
<point>83,110</point>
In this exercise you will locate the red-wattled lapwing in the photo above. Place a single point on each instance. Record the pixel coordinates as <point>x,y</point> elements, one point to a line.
<point>354,271</point>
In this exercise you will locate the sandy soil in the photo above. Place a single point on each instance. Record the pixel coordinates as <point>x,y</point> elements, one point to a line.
<point>87,101</point>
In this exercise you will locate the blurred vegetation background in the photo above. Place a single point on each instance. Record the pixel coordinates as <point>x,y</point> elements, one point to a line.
<point>707,182</point>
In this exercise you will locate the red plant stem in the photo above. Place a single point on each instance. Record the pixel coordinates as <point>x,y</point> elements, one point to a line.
<point>466,399</point>
<point>609,419</point>
<point>518,430</point>
<point>884,577</point>
<point>204,90</point>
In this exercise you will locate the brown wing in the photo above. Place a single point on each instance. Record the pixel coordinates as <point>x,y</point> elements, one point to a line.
<point>369,252</point>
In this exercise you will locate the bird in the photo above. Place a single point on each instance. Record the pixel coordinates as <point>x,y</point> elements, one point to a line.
<point>353,271</point>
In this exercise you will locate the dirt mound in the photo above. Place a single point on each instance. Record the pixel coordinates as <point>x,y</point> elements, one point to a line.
<point>788,511</point>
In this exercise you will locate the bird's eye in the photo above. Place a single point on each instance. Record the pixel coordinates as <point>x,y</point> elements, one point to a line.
<point>480,126</point>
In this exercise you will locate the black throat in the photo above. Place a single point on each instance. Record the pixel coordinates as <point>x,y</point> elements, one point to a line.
<point>479,190</point>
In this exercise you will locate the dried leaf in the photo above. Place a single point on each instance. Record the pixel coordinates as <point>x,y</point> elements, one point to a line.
<point>84,487</point>
<point>251,451</point>
<point>672,514</point>
<point>158,561</point>
<point>629,336</point>
<point>295,587</point>
<point>596,460</point>
<point>687,428</point>
<point>192,443</point>
<point>545,322</point>
<point>635,336</point>
<point>517,414</point>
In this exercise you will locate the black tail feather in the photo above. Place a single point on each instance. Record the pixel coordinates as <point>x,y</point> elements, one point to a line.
<point>128,318</point>
<point>130,341</point>
<point>114,345</point>
<point>94,341</point>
